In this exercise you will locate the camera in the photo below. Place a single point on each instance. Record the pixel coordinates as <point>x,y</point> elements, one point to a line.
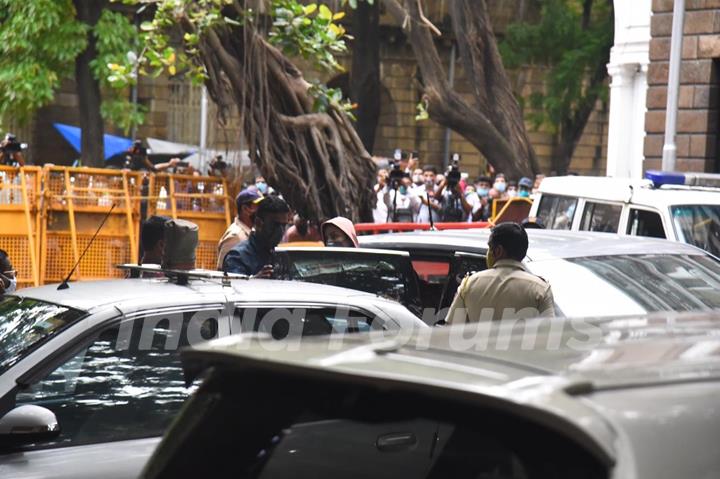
<point>396,172</point>
<point>453,173</point>
<point>218,163</point>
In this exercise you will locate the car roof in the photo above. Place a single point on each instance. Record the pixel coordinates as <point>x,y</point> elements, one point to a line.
<point>626,190</point>
<point>88,295</point>
<point>544,244</point>
<point>615,356</point>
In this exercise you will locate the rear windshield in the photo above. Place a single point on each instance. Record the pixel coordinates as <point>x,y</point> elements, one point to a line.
<point>292,427</point>
<point>26,323</point>
<point>698,225</point>
<point>632,284</point>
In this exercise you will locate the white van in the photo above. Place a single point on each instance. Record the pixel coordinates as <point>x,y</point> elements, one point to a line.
<point>682,207</point>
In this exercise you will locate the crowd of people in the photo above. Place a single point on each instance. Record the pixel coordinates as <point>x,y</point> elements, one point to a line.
<point>410,193</point>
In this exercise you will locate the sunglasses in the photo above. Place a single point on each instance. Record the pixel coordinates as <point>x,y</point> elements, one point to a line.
<point>9,274</point>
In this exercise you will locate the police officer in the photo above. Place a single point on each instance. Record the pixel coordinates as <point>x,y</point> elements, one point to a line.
<point>506,290</point>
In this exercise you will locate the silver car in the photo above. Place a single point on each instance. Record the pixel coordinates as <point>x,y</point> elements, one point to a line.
<point>591,274</point>
<point>634,397</point>
<point>90,376</point>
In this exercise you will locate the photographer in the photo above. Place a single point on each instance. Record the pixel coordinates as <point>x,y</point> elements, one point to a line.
<point>137,159</point>
<point>454,207</point>
<point>401,203</point>
<point>11,151</point>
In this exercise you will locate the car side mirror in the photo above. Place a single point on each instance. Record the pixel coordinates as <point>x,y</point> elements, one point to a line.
<point>28,424</point>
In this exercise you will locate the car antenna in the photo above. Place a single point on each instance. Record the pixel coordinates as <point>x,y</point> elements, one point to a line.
<point>64,284</point>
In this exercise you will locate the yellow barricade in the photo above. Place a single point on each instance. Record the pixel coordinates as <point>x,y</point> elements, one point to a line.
<point>200,199</point>
<point>49,215</point>
<point>76,200</point>
<point>19,220</point>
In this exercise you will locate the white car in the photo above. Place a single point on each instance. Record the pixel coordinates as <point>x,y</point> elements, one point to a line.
<point>90,376</point>
<point>680,207</point>
<point>626,398</point>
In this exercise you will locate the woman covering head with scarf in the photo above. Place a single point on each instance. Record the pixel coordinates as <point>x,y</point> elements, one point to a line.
<point>339,232</point>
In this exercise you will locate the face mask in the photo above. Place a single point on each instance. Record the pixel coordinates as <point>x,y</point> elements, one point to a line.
<point>417,179</point>
<point>500,187</point>
<point>524,194</point>
<point>262,187</point>
<point>429,183</point>
<point>483,191</point>
<point>12,286</point>
<point>403,190</point>
<point>490,258</point>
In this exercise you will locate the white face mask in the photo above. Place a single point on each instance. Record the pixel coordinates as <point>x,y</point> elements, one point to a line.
<point>12,287</point>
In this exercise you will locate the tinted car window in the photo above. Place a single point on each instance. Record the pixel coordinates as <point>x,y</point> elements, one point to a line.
<point>26,323</point>
<point>126,383</point>
<point>698,225</point>
<point>557,212</point>
<point>645,223</point>
<point>632,284</point>
<point>354,431</point>
<point>281,322</point>
<point>601,217</point>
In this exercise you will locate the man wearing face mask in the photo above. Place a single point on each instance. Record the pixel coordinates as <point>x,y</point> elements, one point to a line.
<point>500,186</point>
<point>525,186</point>
<point>263,187</point>
<point>402,204</point>
<point>8,281</point>
<point>506,290</point>
<point>239,230</point>
<point>253,257</point>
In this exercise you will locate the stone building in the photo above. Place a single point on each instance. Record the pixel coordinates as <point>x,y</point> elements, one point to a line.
<point>174,108</point>
<point>698,106</point>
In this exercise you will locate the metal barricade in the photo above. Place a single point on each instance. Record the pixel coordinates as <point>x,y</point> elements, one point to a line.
<point>19,220</point>
<point>75,202</point>
<point>200,199</point>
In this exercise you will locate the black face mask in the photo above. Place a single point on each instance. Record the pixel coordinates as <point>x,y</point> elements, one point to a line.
<point>271,233</point>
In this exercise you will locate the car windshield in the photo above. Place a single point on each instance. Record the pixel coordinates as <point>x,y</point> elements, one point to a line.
<point>632,284</point>
<point>26,323</point>
<point>698,225</point>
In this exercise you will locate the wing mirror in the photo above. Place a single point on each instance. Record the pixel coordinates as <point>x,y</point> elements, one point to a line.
<point>28,424</point>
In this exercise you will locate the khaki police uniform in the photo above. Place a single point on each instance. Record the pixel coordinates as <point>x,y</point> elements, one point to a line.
<point>236,233</point>
<point>505,291</point>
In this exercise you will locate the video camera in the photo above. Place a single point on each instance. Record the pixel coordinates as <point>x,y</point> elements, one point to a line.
<point>218,163</point>
<point>396,171</point>
<point>453,173</point>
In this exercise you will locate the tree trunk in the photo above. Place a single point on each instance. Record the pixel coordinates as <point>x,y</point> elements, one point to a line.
<point>88,89</point>
<point>365,73</point>
<point>494,123</point>
<point>315,159</point>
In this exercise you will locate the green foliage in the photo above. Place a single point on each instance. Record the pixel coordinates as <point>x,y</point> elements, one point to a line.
<point>308,31</point>
<point>39,41</point>
<point>116,40</point>
<point>570,52</point>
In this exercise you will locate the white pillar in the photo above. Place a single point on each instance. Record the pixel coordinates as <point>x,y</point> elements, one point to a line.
<point>629,59</point>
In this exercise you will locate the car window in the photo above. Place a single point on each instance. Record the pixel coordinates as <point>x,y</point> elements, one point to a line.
<point>355,430</point>
<point>632,284</point>
<point>557,212</point>
<point>389,275</point>
<point>284,322</point>
<point>645,223</point>
<point>698,225</point>
<point>26,323</point>
<point>601,217</point>
<point>126,383</point>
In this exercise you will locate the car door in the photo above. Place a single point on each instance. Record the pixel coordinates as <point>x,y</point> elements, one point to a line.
<point>113,393</point>
<point>462,264</point>
<point>385,273</point>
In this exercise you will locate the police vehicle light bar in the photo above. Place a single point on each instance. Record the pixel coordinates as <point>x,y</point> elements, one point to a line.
<point>660,178</point>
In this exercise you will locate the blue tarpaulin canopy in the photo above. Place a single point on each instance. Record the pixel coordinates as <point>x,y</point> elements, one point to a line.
<point>112,144</point>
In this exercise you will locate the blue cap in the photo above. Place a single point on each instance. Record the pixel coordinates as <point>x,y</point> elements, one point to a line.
<point>249,195</point>
<point>525,182</point>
